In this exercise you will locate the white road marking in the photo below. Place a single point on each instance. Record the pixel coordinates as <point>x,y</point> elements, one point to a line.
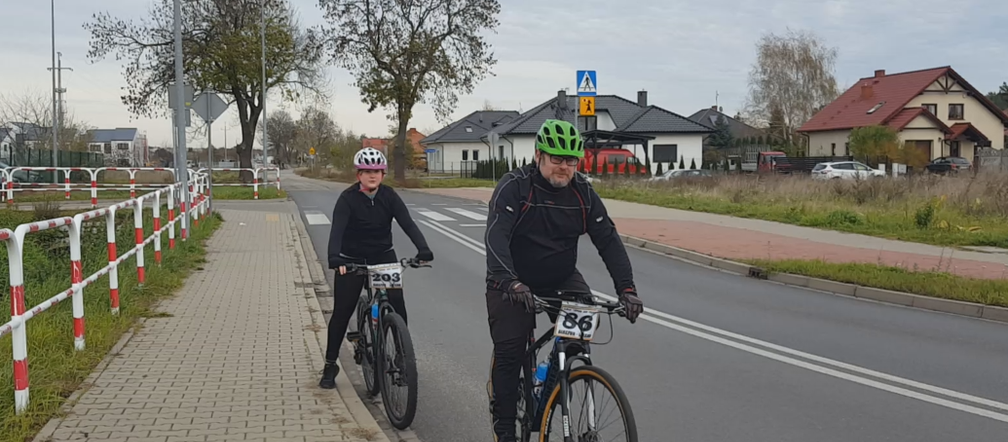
<point>467,213</point>
<point>439,204</point>
<point>316,218</point>
<point>434,215</point>
<point>681,324</point>
<point>472,225</point>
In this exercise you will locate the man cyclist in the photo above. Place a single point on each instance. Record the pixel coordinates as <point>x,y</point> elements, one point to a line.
<point>362,234</point>
<point>537,214</point>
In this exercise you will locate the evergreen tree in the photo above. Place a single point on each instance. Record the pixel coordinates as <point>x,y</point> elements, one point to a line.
<point>692,164</point>
<point>682,163</point>
<point>659,171</point>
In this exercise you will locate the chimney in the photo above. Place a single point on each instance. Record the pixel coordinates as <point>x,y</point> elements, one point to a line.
<point>562,99</point>
<point>642,98</point>
<point>879,73</point>
<point>866,91</point>
<point>713,107</point>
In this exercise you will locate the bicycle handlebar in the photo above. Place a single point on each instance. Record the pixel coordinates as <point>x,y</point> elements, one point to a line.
<point>362,269</point>
<point>542,302</point>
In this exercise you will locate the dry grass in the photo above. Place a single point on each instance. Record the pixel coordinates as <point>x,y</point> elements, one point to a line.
<point>964,210</point>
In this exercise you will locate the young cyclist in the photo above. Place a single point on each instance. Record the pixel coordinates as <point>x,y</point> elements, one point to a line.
<point>362,234</point>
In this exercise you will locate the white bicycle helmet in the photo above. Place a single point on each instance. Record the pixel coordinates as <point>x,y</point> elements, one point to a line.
<point>370,158</point>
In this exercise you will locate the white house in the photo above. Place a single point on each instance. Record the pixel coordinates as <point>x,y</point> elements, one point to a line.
<point>646,130</point>
<point>460,145</point>
<point>123,147</point>
<point>6,142</point>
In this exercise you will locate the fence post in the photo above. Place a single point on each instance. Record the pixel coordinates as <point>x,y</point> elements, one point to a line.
<point>76,278</point>
<point>255,183</point>
<point>66,182</point>
<point>171,216</point>
<point>132,174</point>
<point>19,335</point>
<point>114,270</point>
<point>94,188</point>
<point>138,225</point>
<point>157,228</point>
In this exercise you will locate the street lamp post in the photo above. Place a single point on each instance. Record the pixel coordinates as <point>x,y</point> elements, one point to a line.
<point>55,142</point>
<point>262,17</point>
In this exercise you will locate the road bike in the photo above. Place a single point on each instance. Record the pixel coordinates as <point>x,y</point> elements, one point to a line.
<point>374,314</point>
<point>574,330</point>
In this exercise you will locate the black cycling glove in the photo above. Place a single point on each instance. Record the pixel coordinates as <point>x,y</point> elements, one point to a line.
<point>631,304</point>
<point>519,294</point>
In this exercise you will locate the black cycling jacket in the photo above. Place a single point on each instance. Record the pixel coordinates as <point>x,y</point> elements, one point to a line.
<point>533,230</point>
<point>362,226</point>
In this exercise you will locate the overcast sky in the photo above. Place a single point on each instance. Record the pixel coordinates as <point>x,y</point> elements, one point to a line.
<point>681,52</point>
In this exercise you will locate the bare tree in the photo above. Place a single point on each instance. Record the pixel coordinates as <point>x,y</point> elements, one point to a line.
<point>32,112</point>
<point>791,80</point>
<point>402,53</point>
<point>221,46</point>
<point>488,106</point>
<point>282,130</point>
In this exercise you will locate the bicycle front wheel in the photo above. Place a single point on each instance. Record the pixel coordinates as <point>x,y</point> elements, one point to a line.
<point>399,386</point>
<point>588,406</point>
<point>370,364</point>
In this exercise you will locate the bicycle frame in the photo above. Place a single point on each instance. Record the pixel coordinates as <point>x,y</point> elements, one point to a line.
<point>379,297</point>
<point>565,352</point>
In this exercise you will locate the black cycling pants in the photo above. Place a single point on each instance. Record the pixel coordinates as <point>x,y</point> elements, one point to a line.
<point>346,291</point>
<point>510,329</point>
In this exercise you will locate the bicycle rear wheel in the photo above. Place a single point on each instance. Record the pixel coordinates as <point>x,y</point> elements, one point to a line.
<point>370,364</point>
<point>584,426</point>
<point>400,372</point>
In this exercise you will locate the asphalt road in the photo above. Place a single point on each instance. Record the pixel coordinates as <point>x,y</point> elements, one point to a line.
<point>719,357</point>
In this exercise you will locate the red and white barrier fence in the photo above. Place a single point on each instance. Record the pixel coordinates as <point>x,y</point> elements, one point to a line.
<point>94,186</point>
<point>15,239</point>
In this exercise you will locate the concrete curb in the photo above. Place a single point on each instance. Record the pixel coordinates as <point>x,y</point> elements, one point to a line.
<point>961,308</point>
<point>312,271</point>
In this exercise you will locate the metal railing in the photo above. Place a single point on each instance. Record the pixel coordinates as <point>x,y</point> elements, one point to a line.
<point>15,240</point>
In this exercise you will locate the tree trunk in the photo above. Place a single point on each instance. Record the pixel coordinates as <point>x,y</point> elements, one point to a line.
<point>400,145</point>
<point>248,127</point>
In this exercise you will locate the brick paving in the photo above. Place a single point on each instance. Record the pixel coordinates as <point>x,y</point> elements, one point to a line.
<point>234,358</point>
<point>739,238</point>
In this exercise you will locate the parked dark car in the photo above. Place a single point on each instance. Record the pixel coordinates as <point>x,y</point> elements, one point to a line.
<point>21,176</point>
<point>944,165</point>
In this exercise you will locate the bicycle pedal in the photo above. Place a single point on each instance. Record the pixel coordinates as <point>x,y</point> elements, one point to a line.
<point>353,336</point>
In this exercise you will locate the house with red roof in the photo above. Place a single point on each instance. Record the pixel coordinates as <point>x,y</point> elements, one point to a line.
<point>935,110</point>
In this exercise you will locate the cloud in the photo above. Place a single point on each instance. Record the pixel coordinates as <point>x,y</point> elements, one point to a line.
<point>682,52</point>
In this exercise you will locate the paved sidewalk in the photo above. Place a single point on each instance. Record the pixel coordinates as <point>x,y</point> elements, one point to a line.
<point>741,238</point>
<point>235,358</point>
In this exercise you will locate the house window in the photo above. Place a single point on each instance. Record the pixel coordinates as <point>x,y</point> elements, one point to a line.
<point>664,153</point>
<point>122,146</point>
<point>832,149</point>
<point>954,149</point>
<point>469,129</point>
<point>500,151</point>
<point>108,148</point>
<point>475,154</point>
<point>931,107</point>
<point>846,148</point>
<point>955,111</point>
<point>588,123</point>
<point>465,155</point>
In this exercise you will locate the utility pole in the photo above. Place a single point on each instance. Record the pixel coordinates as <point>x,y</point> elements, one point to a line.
<point>262,16</point>
<point>60,90</point>
<point>55,141</point>
<point>181,110</point>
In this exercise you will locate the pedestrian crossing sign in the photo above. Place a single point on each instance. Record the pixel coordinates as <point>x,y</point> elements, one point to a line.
<point>586,83</point>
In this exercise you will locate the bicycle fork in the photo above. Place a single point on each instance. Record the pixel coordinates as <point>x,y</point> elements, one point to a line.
<point>566,394</point>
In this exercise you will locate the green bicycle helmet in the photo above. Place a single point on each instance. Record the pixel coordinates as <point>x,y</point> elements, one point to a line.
<point>558,137</point>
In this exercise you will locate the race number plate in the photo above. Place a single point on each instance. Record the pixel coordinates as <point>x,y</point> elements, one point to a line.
<point>577,321</point>
<point>385,276</point>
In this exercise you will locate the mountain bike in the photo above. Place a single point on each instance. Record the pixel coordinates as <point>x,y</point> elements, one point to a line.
<point>575,326</point>
<point>374,314</point>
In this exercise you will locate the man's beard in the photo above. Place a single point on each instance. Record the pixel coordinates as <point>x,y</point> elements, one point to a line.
<point>559,182</point>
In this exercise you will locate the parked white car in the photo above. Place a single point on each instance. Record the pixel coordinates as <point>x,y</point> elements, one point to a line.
<point>847,170</point>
